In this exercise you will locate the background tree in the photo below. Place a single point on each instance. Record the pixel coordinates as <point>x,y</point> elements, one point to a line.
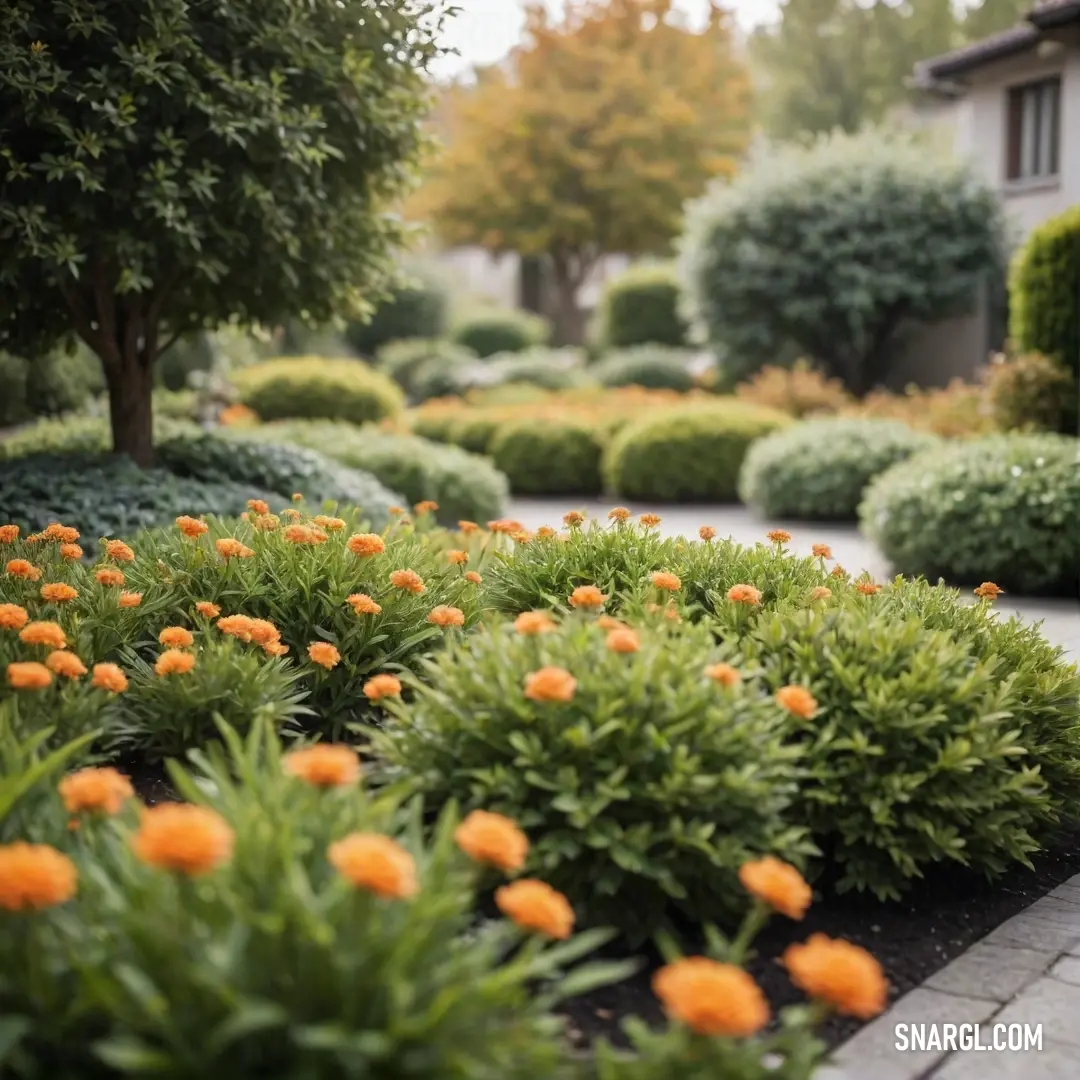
<point>589,139</point>
<point>166,166</point>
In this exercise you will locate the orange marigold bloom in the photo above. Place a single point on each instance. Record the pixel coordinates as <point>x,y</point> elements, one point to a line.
<point>444,615</point>
<point>550,684</point>
<point>744,594</point>
<point>49,634</point>
<point>724,674</point>
<point>458,558</point>
<point>57,592</point>
<point>300,534</point>
<point>297,496</point>
<point>779,885</point>
<point>822,551</point>
<point>650,520</point>
<point>184,838</point>
<point>820,592</point>
<point>797,700</point>
<point>409,580</point>
<point>237,626</point>
<point>174,662</point>
<point>35,538</point>
<point>425,506</point>
<point>104,790</point>
<point>263,632</point>
<point>707,532</point>
<point>711,998</point>
<point>397,511</point>
<point>467,527</point>
<point>667,582</point>
<point>109,677</point>
<point>619,513</point>
<point>176,637</point>
<point>573,518</point>
<point>838,572</point>
<point>545,532</point>
<point>191,527</point>
<point>62,662</point>
<point>587,596</point>
<point>324,654</point>
<point>12,617</point>
<point>522,536</point>
<point>290,514</point>
<point>118,550</point>
<point>506,525</point>
<point>837,972</point>
<point>324,765</point>
<point>382,686</point>
<point>228,547</point>
<point>130,599</point>
<point>275,648</point>
<point>623,640</point>
<point>492,839</point>
<point>362,604</point>
<point>71,551</point>
<point>989,591</point>
<point>534,622</point>
<point>258,506</point>
<point>9,534</point>
<point>375,863</point>
<point>35,876</point>
<point>867,588</point>
<point>207,610</point>
<point>473,577</point>
<point>107,575</point>
<point>266,522</point>
<point>331,524</point>
<point>28,675</point>
<point>535,905</point>
<point>366,544</point>
<point>20,568</point>
<point>64,533</point>
<point>778,536</point>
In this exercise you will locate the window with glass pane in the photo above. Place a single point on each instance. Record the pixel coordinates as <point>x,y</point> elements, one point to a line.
<point>1034,123</point>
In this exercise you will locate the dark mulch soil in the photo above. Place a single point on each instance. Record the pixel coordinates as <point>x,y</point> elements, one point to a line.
<point>151,782</point>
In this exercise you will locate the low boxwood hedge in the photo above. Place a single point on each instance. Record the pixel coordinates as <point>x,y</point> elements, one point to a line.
<point>549,457</point>
<point>651,366</point>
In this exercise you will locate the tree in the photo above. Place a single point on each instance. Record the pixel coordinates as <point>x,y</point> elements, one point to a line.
<point>166,166</point>
<point>589,139</point>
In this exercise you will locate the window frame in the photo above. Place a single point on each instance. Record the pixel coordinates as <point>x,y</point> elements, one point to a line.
<point>1029,136</point>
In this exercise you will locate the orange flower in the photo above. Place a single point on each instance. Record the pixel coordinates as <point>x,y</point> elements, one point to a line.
<point>397,511</point>
<point>184,838</point>
<point>573,519</point>
<point>58,593</point>
<point>362,604</point>
<point>12,617</point>
<point>587,596</point>
<point>492,839</point>
<point>35,876</point>
<point>275,648</point>
<point>130,599</point>
<point>989,591</point>
<point>331,524</point>
<point>867,588</point>
<point>266,522</point>
<point>408,580</point>
<point>290,514</point>
<point>207,610</point>
<point>467,527</point>
<point>109,677</point>
<point>545,532</point>
<point>623,641</point>
<point>619,514</point>
<point>534,622</point>
<point>506,526</point>
<point>108,576</point>
<point>842,974</point>
<point>820,592</point>
<point>324,765</point>
<point>707,532</point>
<point>609,622</point>
<point>257,506</point>
<point>425,506</point>
<point>522,537</point>
<point>324,654</point>
<point>778,536</point>
<point>779,885</point>
<point>49,634</point>
<point>366,544</point>
<point>711,998</point>
<point>191,527</point>
<point>64,533</point>
<point>458,558</point>
<point>176,637</point>
<point>229,547</point>
<point>667,582</point>
<point>744,594</point>
<point>118,550</point>
<point>103,790</point>
<point>236,414</point>
<point>443,615</point>
<point>299,534</point>
<point>174,662</point>
<point>62,662</point>
<point>650,520</point>
<point>71,551</point>
<point>550,684</point>
<point>382,686</point>
<point>472,577</point>
<point>535,905</point>
<point>822,551</point>
<point>297,496</point>
<point>28,675</point>
<point>671,613</point>
<point>375,863</point>
<point>237,626</point>
<point>724,674</point>
<point>20,568</point>
<point>838,572</point>
<point>263,632</point>
<point>797,700</point>
<point>9,534</point>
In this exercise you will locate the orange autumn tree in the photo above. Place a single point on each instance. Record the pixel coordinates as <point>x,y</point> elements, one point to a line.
<point>589,139</point>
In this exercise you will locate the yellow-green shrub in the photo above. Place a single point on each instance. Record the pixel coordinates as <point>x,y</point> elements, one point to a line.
<point>549,458</point>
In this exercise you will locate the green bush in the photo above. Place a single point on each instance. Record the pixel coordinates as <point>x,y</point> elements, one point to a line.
<point>417,309</point>
<point>786,258</point>
<point>506,330</point>
<point>405,360</point>
<point>641,307</point>
<point>687,454</point>
<point>549,369</point>
<point>56,383</point>
<point>637,800</point>
<point>435,426</point>
<point>316,388</point>
<point>195,352</point>
<point>1033,393</point>
<point>1002,508</point>
<point>917,753</point>
<point>442,376</point>
<point>1044,283</point>
<point>818,469</point>
<point>552,457</point>
<point>648,366</point>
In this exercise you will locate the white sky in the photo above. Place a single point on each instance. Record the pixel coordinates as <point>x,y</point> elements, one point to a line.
<point>485,30</point>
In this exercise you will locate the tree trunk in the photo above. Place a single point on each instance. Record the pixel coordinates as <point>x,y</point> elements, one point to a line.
<point>130,410</point>
<point>568,317</point>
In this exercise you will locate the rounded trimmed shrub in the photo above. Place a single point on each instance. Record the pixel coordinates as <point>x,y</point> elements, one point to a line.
<point>549,369</point>
<point>488,333</point>
<point>650,366</point>
<point>549,457</point>
<point>641,307</point>
<point>1002,508</point>
<point>818,469</point>
<point>688,454</point>
<point>413,362</point>
<point>642,784</point>
<point>417,309</point>
<point>316,388</point>
<point>1033,393</point>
